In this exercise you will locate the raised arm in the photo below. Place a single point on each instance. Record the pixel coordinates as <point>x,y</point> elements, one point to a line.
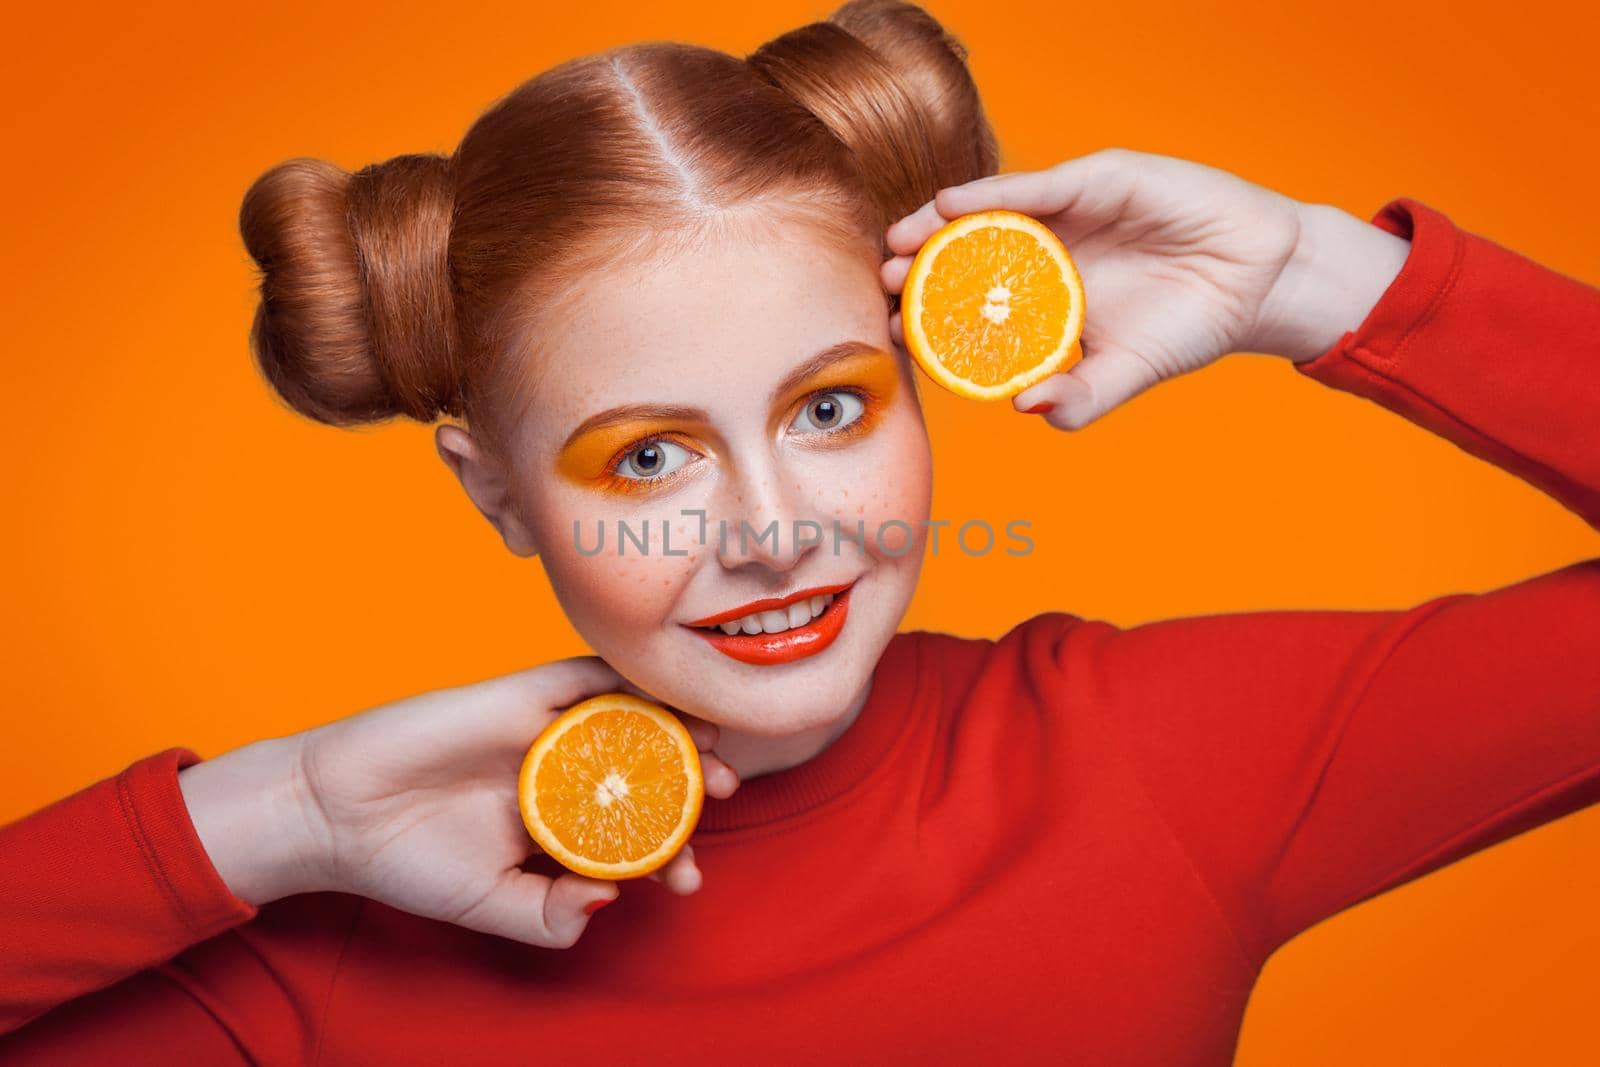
<point>1485,348</point>
<point>1309,760</point>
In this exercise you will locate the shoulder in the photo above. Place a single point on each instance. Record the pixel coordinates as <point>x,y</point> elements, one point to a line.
<point>1032,654</point>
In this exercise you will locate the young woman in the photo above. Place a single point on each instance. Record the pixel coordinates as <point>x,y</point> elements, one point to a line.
<point>655,286</point>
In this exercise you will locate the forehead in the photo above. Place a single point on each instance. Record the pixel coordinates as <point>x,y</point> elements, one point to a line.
<point>722,318</point>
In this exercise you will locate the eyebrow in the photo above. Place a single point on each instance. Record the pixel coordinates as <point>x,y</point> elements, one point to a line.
<point>638,412</point>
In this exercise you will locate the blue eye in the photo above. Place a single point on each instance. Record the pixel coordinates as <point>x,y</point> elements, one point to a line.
<point>827,412</point>
<point>652,459</point>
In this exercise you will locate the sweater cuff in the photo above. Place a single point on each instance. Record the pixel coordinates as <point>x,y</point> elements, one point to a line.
<point>158,822</point>
<point>1411,300</point>
<point>103,884</point>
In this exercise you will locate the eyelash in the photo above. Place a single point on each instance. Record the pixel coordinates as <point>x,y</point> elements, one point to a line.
<point>861,424</point>
<point>615,481</point>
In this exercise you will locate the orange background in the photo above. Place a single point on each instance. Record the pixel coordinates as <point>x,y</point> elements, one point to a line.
<point>189,563</point>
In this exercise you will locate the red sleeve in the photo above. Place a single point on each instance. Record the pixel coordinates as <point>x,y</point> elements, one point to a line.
<point>144,1021</point>
<point>102,885</point>
<point>1309,760</point>
<point>1487,349</point>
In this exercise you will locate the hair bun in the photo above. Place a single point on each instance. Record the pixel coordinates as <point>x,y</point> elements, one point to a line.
<point>356,321</point>
<point>889,81</point>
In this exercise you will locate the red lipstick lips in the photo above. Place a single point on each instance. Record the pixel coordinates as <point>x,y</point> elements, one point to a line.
<point>769,604</point>
<point>796,643</point>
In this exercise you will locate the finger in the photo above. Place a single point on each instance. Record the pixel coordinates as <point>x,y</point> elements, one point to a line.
<point>536,910</point>
<point>1102,380</point>
<point>720,779</point>
<point>1028,191</point>
<point>500,713</point>
<point>897,330</point>
<point>548,687</point>
<point>907,235</point>
<point>1078,195</point>
<point>704,731</point>
<point>565,682</point>
<point>681,875</point>
<point>893,273</point>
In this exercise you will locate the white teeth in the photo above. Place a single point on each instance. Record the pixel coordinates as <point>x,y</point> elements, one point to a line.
<point>777,621</point>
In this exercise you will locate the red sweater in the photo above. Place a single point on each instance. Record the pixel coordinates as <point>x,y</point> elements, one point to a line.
<point>1076,841</point>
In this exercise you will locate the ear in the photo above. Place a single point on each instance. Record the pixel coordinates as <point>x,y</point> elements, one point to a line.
<point>486,482</point>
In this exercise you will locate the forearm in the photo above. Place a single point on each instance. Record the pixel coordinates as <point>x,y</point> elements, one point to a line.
<point>1341,267</point>
<point>254,816</point>
<point>1482,346</point>
<point>103,884</point>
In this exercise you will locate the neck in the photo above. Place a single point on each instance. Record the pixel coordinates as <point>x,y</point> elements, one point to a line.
<point>751,755</point>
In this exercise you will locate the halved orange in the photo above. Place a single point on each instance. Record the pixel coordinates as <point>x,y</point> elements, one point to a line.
<point>992,305</point>
<point>612,788</point>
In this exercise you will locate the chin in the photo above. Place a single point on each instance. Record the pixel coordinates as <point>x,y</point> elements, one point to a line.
<point>787,712</point>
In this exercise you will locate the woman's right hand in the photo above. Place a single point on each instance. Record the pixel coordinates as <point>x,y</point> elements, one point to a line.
<point>1182,264</point>
<point>414,804</point>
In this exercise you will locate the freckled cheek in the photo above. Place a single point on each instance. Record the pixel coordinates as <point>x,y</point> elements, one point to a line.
<point>885,480</point>
<point>615,599</point>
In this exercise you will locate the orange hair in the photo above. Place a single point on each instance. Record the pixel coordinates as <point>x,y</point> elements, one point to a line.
<point>411,286</point>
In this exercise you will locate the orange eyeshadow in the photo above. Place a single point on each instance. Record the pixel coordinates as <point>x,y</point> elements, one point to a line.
<point>593,454</point>
<point>874,372</point>
<point>589,458</point>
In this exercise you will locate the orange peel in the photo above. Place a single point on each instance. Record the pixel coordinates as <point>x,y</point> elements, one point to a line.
<point>993,303</point>
<point>612,788</point>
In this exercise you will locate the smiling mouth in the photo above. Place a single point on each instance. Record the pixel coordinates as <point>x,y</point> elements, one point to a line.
<point>784,634</point>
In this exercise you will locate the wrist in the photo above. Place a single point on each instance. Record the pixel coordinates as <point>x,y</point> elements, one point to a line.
<point>1341,266</point>
<point>259,825</point>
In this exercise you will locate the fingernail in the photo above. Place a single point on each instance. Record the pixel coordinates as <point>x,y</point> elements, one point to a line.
<point>1043,407</point>
<point>596,904</point>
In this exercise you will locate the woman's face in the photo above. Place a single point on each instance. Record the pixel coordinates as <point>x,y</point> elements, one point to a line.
<point>750,380</point>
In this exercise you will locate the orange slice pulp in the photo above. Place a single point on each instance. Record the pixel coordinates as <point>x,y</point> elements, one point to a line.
<point>612,788</point>
<point>993,304</point>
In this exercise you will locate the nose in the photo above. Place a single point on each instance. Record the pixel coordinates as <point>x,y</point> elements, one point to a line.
<point>768,525</point>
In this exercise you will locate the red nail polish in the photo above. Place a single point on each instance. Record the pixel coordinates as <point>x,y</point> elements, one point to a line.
<point>595,905</point>
<point>1043,407</point>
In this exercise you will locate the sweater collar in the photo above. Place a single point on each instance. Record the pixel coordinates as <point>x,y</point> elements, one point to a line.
<point>865,745</point>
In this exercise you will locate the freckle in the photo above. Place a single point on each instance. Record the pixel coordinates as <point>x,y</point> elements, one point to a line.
<point>861,509</point>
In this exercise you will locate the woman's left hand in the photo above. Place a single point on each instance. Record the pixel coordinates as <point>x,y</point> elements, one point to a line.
<point>1181,263</point>
<point>414,804</point>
